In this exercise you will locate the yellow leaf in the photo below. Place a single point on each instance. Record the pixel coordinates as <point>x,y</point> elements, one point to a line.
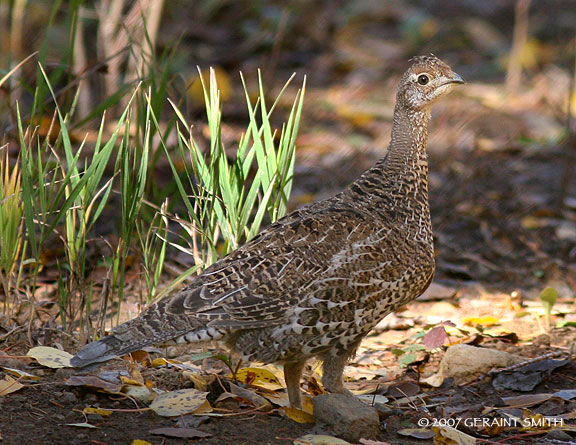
<point>196,93</point>
<point>159,362</point>
<point>21,374</point>
<point>201,382</point>
<point>298,415</point>
<point>50,357</point>
<point>8,385</point>
<point>482,321</point>
<point>258,377</point>
<point>203,409</point>
<point>140,442</point>
<point>319,439</point>
<point>307,405</point>
<point>142,393</point>
<point>532,222</point>
<point>176,403</point>
<point>129,381</point>
<point>446,435</point>
<point>99,411</point>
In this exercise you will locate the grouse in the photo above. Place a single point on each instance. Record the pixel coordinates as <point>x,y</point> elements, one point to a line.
<point>314,283</point>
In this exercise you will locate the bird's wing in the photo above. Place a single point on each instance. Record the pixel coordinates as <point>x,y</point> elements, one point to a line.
<point>257,284</point>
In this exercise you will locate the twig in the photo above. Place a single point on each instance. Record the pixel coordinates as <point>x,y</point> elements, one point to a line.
<point>540,358</point>
<point>569,143</point>
<point>514,74</point>
<point>9,333</point>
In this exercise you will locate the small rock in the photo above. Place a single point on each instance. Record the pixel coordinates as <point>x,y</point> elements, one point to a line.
<point>172,352</point>
<point>64,373</point>
<point>543,339</point>
<point>68,397</point>
<point>91,398</point>
<point>347,416</point>
<point>457,363</point>
<point>558,435</point>
<point>566,231</point>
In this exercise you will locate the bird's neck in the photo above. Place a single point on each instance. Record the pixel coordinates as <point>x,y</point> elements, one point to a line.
<point>400,179</point>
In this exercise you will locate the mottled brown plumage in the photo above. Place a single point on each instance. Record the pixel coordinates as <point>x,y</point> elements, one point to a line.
<point>317,281</point>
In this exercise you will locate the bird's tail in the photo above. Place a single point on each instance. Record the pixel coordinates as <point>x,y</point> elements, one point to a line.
<point>150,327</point>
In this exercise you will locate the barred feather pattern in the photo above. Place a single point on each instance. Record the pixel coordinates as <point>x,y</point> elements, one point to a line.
<point>318,280</point>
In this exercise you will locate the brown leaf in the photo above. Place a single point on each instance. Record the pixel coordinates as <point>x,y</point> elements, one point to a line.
<point>435,337</point>
<point>250,396</point>
<point>94,382</point>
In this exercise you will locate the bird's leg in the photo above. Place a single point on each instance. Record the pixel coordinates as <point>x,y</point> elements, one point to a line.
<point>292,375</point>
<point>332,370</point>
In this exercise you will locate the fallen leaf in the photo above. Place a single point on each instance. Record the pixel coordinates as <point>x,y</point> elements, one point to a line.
<point>446,435</point>
<point>205,408</point>
<point>176,403</point>
<point>280,399</point>
<point>201,382</point>
<point>372,399</point>
<point>99,411</point>
<point>417,433</point>
<point>404,389</point>
<point>527,377</point>
<point>201,356</point>
<point>435,337</point>
<point>22,375</point>
<point>140,442</point>
<point>130,381</point>
<point>81,425</point>
<point>372,442</point>
<point>300,416</point>
<point>480,321</point>
<point>191,421</point>
<point>50,357</point>
<point>94,382</point>
<point>142,393</point>
<point>319,439</point>
<point>140,356</point>
<point>186,433</point>
<point>9,385</point>
<point>408,359</point>
<point>258,377</point>
<point>526,400</point>
<point>314,387</point>
<point>250,396</point>
<point>566,394</point>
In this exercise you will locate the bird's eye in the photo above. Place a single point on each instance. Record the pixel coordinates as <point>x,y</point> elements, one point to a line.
<point>423,79</point>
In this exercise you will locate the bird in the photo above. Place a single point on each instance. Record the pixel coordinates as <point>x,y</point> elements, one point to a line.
<point>314,283</point>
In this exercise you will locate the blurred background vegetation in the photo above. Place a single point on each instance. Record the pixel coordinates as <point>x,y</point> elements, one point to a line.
<point>119,177</point>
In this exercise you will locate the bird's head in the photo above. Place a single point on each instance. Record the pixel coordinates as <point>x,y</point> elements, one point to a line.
<point>425,82</point>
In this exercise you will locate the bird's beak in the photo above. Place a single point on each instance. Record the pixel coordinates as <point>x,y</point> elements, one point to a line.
<point>457,78</point>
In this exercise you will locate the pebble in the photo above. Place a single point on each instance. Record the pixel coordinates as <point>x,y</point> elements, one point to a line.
<point>559,435</point>
<point>347,416</point>
<point>542,339</point>
<point>68,397</point>
<point>91,398</point>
